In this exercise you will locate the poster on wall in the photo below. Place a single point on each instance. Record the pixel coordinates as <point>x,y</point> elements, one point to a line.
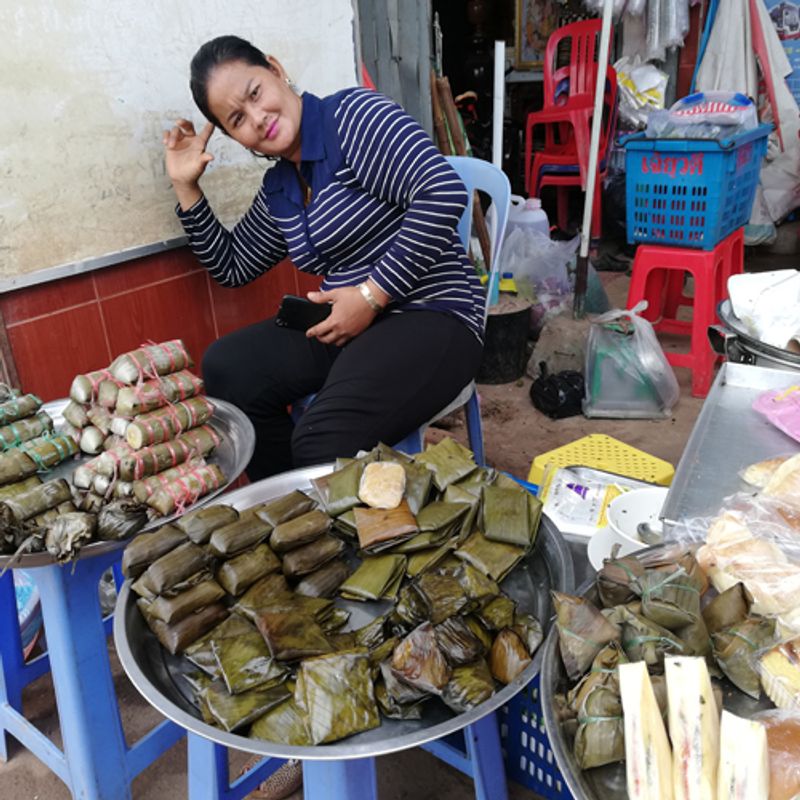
<point>536,20</point>
<point>785,17</point>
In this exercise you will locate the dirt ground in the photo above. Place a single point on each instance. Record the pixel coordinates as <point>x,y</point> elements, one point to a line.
<point>514,433</point>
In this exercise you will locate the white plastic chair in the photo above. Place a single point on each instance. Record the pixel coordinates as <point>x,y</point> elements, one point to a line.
<point>477,175</point>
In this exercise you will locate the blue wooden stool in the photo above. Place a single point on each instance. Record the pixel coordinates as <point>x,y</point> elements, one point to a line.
<point>96,763</point>
<point>353,779</point>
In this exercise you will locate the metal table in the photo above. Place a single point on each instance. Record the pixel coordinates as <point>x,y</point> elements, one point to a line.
<point>346,769</point>
<point>96,763</point>
<point>728,436</point>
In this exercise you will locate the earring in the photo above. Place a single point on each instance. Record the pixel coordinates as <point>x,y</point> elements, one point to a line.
<point>291,84</point>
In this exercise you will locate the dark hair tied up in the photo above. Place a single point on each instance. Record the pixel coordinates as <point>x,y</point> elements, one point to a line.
<point>215,53</point>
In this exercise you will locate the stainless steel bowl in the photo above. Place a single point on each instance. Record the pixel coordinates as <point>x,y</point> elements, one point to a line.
<point>157,675</point>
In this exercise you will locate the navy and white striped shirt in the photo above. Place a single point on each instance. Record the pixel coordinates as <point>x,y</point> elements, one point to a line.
<point>385,206</point>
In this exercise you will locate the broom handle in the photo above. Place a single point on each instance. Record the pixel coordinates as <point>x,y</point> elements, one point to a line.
<point>453,123</point>
<point>439,125</point>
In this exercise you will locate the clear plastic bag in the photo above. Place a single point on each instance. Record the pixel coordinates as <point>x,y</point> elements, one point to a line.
<point>704,115</point>
<point>782,408</point>
<point>627,373</point>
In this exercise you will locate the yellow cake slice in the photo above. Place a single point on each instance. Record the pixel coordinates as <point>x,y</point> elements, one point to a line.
<point>780,674</point>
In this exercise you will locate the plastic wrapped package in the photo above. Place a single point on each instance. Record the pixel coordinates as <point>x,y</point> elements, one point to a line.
<point>704,115</point>
<point>641,88</point>
<point>783,743</point>
<point>596,6</point>
<point>782,408</point>
<point>627,374</point>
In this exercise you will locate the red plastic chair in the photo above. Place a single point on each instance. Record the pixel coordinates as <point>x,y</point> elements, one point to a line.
<point>567,118</point>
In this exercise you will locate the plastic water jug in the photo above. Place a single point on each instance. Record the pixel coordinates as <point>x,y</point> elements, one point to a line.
<point>527,214</point>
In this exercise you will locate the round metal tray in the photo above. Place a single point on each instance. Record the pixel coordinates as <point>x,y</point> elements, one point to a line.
<point>232,455</point>
<point>157,675</point>
<point>607,782</point>
<point>752,348</point>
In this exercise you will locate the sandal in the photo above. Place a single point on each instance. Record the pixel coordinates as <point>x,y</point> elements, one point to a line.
<point>285,781</point>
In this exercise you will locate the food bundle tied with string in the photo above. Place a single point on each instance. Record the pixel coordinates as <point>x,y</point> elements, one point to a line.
<point>145,421</point>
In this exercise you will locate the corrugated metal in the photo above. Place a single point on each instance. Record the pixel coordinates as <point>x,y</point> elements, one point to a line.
<point>396,50</point>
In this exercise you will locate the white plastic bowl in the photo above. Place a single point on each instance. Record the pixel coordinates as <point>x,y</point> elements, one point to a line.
<point>629,510</point>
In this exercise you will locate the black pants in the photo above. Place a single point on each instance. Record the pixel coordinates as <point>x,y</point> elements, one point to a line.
<point>381,386</point>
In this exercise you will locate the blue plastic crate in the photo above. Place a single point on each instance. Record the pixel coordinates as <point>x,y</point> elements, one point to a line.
<point>691,192</point>
<point>528,758</point>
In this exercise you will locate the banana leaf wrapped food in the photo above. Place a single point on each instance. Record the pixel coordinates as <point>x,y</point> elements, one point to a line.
<point>285,723</point>
<point>529,630</point>
<point>336,693</point>
<point>600,735</point>
<point>100,418</point>
<point>174,609</point>
<point>35,455</point>
<point>285,508</point>
<point>144,489</point>
<point>411,608</point>
<point>175,638</point>
<point>382,485</point>
<point>240,572</point>
<point>443,595</point>
<point>737,648</point>
<point>339,490</point>
<point>245,662</point>
<point>437,522</point>
<point>19,407</point>
<point>68,533</point>
<point>728,608</point>
<point>299,530</point>
<point>506,516</point>
<point>372,635</point>
<point>419,480</point>
<point>262,594</point>
<point>75,414</point>
<point>449,462</point>
<point>20,487</point>
<point>136,465</point>
<point>479,631</point>
<point>391,709</point>
<point>375,577</point>
<point>198,525</point>
<point>495,559</point>
<point>25,429</point>
<point>234,711</point>
<point>175,566</point>
<point>47,517</point>
<point>104,464</point>
<point>332,621</point>
<point>91,440</point>
<point>617,581</point>
<point>242,534</point>
<point>424,560</point>
<point>379,528</point>
<point>324,581</point>
<point>669,597</point>
<point>303,560</point>
<point>149,547</point>
<point>149,395</point>
<point>290,634</point>
<point>644,640</point>
<point>85,388</point>
<point>346,524</point>
<point>201,651</point>
<point>166,423</point>
<point>419,662</point>
<point>582,632</point>
<point>498,613</point>
<point>184,491</point>
<point>150,362</point>
<point>468,687</point>
<point>120,519</point>
<point>457,494</point>
<point>29,504</point>
<point>508,656</point>
<point>457,641</point>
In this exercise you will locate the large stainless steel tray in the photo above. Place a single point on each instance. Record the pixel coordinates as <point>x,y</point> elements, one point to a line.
<point>728,436</point>
<point>608,782</point>
<point>157,675</point>
<point>232,455</point>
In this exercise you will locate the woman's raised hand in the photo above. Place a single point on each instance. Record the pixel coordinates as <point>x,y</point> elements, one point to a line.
<point>185,152</point>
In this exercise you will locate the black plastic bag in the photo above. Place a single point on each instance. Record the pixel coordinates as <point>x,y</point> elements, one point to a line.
<point>559,395</point>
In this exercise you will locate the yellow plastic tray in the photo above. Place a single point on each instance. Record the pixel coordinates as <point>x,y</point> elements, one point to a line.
<point>604,452</point>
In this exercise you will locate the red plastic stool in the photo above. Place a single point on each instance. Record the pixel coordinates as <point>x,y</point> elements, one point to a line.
<point>658,277</point>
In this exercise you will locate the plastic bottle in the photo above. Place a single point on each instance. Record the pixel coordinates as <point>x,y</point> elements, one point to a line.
<point>527,214</point>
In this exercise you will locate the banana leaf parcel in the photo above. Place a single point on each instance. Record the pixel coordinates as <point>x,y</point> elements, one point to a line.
<point>175,566</point>
<point>178,636</point>
<point>339,490</point>
<point>647,641</point>
<point>498,613</point>
<point>237,536</point>
<point>529,630</point>
<point>378,528</point>
<point>233,711</point>
<point>337,695</point>
<point>240,572</point>
<point>469,686</point>
<point>506,516</point>
<point>200,524</point>
<point>201,652</point>
<point>245,663</point>
<point>419,480</point>
<point>736,649</point>
<point>728,608</point>
<point>299,531</point>
<point>495,559</point>
<point>448,460</point>
<point>582,632</point>
<point>457,641</point>
<point>264,593</point>
<point>290,634</point>
<point>285,724</point>
<point>311,556</point>
<point>617,581</point>
<point>375,576</point>
<point>419,662</point>
<point>325,581</point>
<point>508,656</point>
<point>443,595</point>
<point>669,597</point>
<point>285,508</point>
<point>174,609</point>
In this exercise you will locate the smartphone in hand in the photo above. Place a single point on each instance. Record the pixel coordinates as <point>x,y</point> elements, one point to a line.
<point>300,314</point>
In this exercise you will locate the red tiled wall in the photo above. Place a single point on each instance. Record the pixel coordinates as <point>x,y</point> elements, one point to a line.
<point>59,329</point>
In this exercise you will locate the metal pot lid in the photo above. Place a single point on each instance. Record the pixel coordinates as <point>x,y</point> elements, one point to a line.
<point>157,674</point>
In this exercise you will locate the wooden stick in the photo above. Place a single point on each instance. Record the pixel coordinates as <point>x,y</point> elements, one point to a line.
<point>439,124</point>
<point>454,124</point>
